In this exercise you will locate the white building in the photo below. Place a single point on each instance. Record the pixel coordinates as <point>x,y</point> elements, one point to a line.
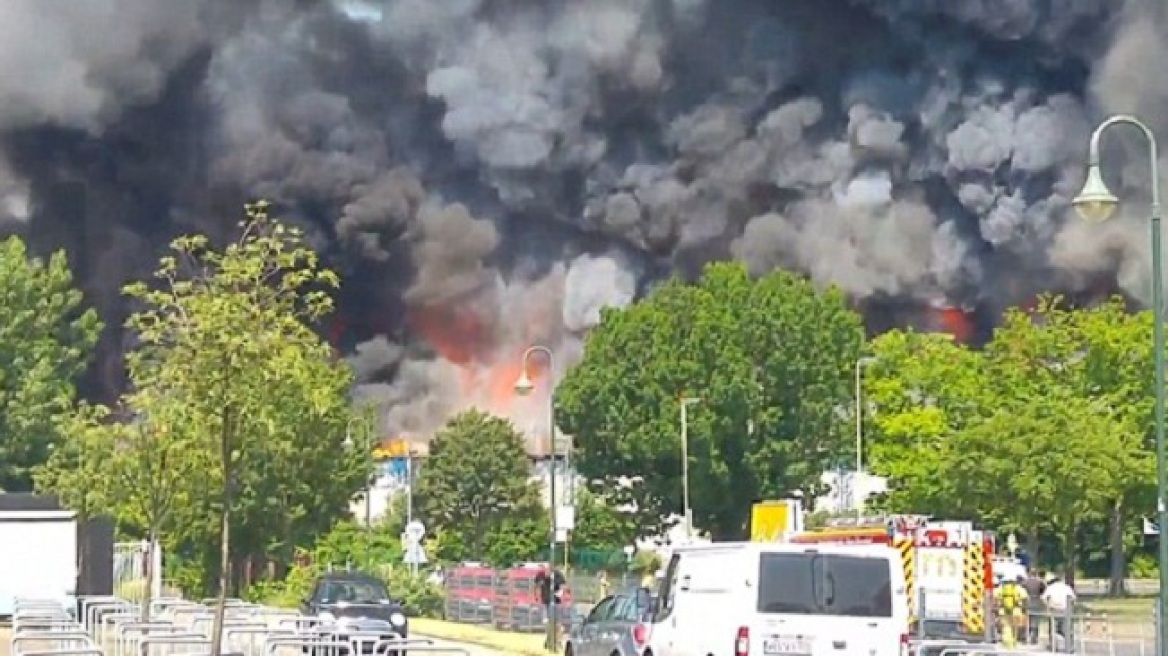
<point>847,489</point>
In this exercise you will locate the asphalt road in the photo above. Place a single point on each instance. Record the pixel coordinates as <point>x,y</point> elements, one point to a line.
<point>471,650</point>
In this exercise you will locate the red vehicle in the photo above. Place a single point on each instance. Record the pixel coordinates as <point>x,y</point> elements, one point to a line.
<point>518,606</point>
<point>471,593</point>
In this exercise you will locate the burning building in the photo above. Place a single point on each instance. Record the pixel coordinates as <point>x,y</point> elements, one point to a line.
<point>491,173</point>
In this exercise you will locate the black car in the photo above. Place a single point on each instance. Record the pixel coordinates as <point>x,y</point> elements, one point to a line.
<point>356,607</point>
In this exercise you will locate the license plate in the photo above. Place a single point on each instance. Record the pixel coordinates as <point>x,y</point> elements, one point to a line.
<point>786,645</point>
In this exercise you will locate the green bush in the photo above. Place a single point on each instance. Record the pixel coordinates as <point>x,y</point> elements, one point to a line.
<point>420,597</point>
<point>1142,566</point>
<point>131,590</point>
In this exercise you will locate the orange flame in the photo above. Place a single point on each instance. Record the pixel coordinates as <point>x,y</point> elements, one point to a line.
<point>455,333</point>
<point>956,322</point>
<point>489,366</point>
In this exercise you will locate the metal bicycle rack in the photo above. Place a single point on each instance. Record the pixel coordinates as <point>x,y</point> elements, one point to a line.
<point>43,627</point>
<point>109,626</point>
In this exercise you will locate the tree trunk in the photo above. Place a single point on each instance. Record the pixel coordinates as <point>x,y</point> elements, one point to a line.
<point>1032,548</point>
<point>224,575</point>
<point>1116,584</point>
<point>148,589</point>
<point>224,537</point>
<point>1070,552</point>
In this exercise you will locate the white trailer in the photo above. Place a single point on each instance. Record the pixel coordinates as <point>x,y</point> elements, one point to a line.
<point>38,556</point>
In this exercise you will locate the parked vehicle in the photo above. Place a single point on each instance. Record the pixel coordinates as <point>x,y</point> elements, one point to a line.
<point>776,599</point>
<point>350,604</point>
<point>619,625</point>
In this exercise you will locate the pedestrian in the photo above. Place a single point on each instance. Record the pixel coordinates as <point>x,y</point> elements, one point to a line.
<point>602,584</point>
<point>1011,610</point>
<point>1034,586</point>
<point>649,580</point>
<point>1059,598</point>
<point>550,583</point>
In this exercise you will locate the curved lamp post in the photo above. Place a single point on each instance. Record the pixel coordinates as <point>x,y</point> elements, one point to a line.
<point>523,387</point>
<point>1097,203</point>
<point>368,453</point>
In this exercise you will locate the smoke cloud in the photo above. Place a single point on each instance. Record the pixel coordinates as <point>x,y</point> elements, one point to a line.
<point>492,174</point>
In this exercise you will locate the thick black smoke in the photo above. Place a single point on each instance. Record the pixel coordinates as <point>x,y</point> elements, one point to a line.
<point>493,172</point>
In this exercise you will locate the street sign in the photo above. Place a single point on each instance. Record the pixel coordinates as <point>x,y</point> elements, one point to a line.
<point>415,555</point>
<point>415,531</point>
<point>566,518</point>
<point>1150,527</point>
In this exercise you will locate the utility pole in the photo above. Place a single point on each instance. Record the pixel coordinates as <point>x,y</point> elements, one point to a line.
<point>685,507</point>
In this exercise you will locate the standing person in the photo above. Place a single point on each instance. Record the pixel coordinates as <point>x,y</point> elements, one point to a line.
<point>550,583</point>
<point>1059,597</point>
<point>1012,610</point>
<point>602,584</point>
<point>1034,586</point>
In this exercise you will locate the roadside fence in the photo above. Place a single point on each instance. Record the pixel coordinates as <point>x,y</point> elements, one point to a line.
<point>109,626</point>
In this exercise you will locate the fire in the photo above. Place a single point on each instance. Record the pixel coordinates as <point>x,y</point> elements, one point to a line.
<point>956,322</point>
<point>489,360</point>
<point>454,332</point>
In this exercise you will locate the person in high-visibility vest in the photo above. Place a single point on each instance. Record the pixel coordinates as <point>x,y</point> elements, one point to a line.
<point>1012,606</point>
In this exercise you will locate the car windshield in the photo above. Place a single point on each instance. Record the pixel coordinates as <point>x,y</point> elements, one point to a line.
<point>355,592</point>
<point>824,584</point>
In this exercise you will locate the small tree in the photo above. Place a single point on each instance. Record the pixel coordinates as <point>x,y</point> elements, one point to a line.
<point>138,470</point>
<point>227,347</point>
<point>477,474</point>
<point>46,340</point>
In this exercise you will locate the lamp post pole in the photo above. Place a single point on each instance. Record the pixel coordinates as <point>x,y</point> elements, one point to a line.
<point>686,402</point>
<point>368,455</point>
<point>859,498</point>
<point>1097,203</point>
<point>524,386</point>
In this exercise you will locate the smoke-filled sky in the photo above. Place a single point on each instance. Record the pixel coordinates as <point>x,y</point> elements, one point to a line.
<point>489,174</point>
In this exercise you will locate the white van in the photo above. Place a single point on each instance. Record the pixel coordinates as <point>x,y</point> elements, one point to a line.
<point>767,599</point>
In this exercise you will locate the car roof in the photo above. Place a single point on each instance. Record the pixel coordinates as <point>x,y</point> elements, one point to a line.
<point>350,576</point>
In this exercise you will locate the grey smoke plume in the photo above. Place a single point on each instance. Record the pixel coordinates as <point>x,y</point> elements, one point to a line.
<point>491,174</point>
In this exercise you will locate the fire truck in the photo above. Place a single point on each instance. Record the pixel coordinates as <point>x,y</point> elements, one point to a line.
<point>948,566</point>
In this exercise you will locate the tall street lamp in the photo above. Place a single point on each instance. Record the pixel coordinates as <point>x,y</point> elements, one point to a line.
<point>686,402</point>
<point>860,364</point>
<point>523,387</point>
<point>1097,203</point>
<point>368,453</point>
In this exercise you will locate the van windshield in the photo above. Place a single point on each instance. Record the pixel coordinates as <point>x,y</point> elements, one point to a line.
<point>824,584</point>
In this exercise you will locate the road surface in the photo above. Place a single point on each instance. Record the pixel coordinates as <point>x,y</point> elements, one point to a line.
<point>472,650</point>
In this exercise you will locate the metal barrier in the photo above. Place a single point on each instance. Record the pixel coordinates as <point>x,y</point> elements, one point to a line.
<point>45,628</point>
<point>114,627</point>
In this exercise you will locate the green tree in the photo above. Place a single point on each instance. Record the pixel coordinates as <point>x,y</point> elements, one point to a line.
<point>923,388</point>
<point>521,535</point>
<point>771,358</point>
<point>139,471</point>
<point>46,340</point>
<point>602,526</point>
<point>226,340</point>
<point>1040,432</point>
<point>476,476</point>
